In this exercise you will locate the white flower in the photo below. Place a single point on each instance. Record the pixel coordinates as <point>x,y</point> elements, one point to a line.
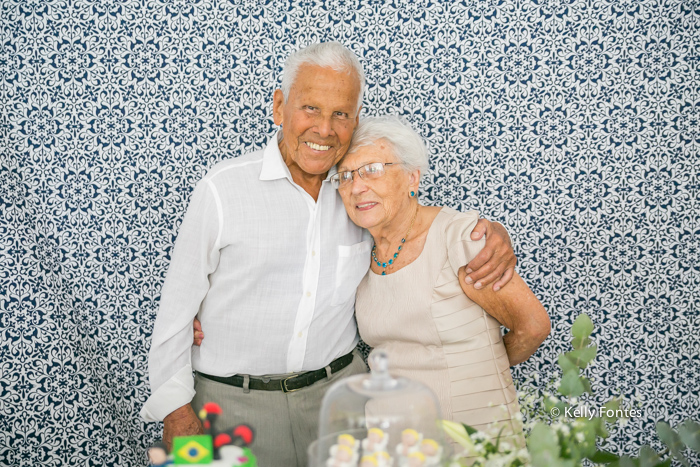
<point>523,455</point>
<point>494,462</point>
<point>580,437</point>
<point>469,451</point>
<point>560,427</point>
<point>493,431</point>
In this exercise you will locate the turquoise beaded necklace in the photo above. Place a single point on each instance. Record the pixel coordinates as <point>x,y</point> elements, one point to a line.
<point>403,240</point>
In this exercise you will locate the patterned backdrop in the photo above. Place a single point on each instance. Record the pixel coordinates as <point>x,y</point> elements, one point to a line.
<point>573,122</point>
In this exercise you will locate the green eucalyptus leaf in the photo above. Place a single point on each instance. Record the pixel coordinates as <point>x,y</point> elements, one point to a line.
<point>583,326</point>
<point>567,364</point>
<point>580,342</point>
<point>549,461</point>
<point>648,457</point>
<point>561,405</point>
<point>571,385</point>
<point>673,441</point>
<point>542,439</point>
<point>582,357</point>
<point>543,445</point>
<point>550,402</point>
<point>586,385</point>
<point>587,447</point>
<point>689,432</point>
<point>603,457</point>
<point>600,428</point>
<point>666,463</point>
<point>626,461</point>
<point>572,451</point>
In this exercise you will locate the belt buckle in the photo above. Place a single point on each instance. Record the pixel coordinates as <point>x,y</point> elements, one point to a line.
<point>284,384</point>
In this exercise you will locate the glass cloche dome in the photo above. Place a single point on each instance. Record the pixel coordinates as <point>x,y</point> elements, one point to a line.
<point>375,420</point>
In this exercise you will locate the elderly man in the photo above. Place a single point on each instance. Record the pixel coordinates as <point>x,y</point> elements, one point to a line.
<point>268,260</point>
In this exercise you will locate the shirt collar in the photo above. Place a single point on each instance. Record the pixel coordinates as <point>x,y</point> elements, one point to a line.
<point>273,166</point>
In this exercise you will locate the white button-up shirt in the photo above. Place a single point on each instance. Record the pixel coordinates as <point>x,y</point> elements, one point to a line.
<point>270,273</point>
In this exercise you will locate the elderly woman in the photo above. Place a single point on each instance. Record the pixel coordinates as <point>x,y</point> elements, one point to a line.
<point>412,303</point>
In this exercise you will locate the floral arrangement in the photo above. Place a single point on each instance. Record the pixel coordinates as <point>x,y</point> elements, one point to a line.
<point>562,431</point>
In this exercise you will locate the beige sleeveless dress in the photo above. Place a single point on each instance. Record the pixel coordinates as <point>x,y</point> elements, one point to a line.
<point>433,333</point>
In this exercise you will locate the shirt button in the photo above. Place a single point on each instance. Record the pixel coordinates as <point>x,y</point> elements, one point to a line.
<point>308,294</point>
<point>313,253</point>
<point>300,334</point>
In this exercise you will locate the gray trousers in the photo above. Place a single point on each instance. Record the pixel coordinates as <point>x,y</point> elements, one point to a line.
<point>285,424</point>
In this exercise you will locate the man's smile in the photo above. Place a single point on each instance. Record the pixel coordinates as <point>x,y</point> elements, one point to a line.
<point>317,147</point>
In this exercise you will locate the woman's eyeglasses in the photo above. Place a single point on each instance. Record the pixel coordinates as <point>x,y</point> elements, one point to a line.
<point>366,172</point>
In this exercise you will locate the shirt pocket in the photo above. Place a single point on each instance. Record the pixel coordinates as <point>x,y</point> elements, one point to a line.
<point>353,263</point>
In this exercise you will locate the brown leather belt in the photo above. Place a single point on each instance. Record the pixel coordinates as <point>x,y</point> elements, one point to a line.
<point>291,384</point>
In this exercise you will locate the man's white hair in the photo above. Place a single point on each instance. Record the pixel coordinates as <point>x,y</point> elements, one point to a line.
<point>405,143</point>
<point>333,55</point>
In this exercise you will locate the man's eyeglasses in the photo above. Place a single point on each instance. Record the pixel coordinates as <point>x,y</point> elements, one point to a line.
<point>366,172</point>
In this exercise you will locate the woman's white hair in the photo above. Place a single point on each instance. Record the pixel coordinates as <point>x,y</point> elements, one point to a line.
<point>333,55</point>
<point>406,144</point>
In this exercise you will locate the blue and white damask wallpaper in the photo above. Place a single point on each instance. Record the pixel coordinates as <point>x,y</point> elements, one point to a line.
<point>576,123</point>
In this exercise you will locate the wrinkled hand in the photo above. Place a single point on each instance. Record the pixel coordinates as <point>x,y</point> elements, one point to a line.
<point>496,261</point>
<point>198,334</point>
<point>181,422</point>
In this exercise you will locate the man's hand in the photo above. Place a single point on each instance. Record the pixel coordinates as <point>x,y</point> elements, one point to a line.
<point>496,261</point>
<point>198,334</point>
<point>181,422</point>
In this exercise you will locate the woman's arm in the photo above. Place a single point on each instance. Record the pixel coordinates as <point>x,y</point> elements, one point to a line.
<point>518,309</point>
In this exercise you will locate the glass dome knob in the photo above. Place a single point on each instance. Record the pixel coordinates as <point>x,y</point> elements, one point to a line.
<point>379,375</point>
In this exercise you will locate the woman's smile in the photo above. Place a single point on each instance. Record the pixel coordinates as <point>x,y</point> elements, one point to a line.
<point>365,206</point>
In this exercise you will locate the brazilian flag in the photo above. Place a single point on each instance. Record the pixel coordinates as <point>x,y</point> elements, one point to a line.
<point>193,449</point>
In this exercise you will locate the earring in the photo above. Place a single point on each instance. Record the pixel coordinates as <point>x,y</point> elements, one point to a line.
<point>412,194</point>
